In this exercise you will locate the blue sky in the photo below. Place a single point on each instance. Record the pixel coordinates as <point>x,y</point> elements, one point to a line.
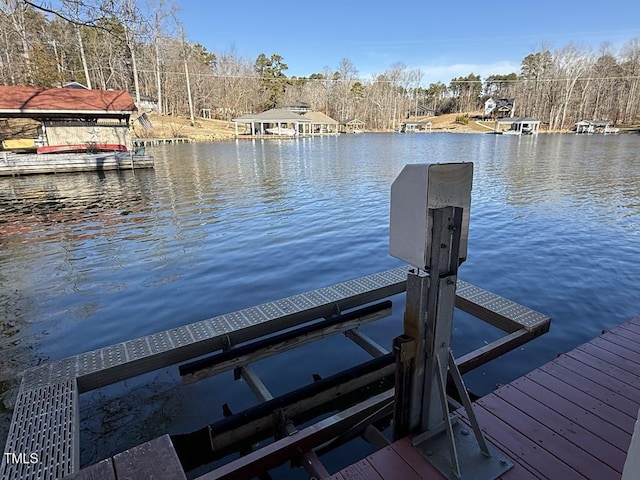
<point>445,39</point>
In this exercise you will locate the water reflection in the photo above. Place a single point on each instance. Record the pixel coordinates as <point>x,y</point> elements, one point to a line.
<point>89,260</point>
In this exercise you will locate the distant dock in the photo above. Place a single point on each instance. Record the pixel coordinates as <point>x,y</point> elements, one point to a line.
<point>13,164</point>
<point>248,136</point>
<point>144,142</point>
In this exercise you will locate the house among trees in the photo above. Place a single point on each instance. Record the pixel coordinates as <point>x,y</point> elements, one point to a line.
<point>149,104</point>
<point>500,108</point>
<point>299,107</point>
<point>595,126</point>
<point>72,85</point>
<point>66,116</point>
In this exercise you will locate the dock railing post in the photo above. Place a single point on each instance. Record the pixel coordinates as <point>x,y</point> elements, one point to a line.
<point>429,229</point>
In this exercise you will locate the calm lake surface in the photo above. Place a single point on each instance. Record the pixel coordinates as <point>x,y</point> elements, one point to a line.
<point>88,260</point>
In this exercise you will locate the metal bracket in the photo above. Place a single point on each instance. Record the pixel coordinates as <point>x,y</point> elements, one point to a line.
<point>459,456</point>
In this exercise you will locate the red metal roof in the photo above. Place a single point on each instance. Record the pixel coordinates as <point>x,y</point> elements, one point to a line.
<point>34,99</point>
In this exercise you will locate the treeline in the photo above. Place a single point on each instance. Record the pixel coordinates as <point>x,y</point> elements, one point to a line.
<point>141,47</point>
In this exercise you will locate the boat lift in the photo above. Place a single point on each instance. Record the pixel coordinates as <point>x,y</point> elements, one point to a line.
<point>429,230</point>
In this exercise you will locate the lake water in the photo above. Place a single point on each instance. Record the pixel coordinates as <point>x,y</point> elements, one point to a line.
<point>88,260</point>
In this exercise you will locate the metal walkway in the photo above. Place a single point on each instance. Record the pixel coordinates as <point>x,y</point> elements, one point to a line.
<point>45,424</point>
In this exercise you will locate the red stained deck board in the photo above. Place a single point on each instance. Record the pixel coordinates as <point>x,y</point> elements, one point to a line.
<point>609,364</point>
<point>625,339</point>
<point>336,476</point>
<point>593,387</point>
<point>585,439</point>
<point>389,464</point>
<point>571,418</point>
<point>413,457</point>
<point>519,471</point>
<point>521,449</point>
<point>628,332</point>
<point>612,425</point>
<point>361,470</point>
<point>581,461</point>
<point>577,363</point>
<point>628,328</point>
<point>630,359</point>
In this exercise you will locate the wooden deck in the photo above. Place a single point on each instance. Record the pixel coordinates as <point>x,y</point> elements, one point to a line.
<point>151,460</point>
<point>571,419</point>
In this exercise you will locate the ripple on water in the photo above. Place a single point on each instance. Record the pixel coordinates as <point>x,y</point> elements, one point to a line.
<point>88,260</point>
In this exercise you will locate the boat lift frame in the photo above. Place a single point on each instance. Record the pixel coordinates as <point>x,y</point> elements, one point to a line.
<point>48,396</point>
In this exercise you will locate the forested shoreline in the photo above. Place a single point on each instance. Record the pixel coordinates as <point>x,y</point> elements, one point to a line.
<point>117,44</point>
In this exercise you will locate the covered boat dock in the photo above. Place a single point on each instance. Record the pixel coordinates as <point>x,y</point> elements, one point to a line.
<point>256,124</point>
<point>518,126</point>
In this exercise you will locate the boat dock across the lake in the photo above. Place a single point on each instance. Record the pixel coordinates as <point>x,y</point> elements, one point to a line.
<point>145,142</point>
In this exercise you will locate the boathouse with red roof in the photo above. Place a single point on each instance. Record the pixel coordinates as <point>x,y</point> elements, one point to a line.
<point>69,116</point>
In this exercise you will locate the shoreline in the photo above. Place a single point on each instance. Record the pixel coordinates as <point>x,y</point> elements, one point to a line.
<point>209,130</point>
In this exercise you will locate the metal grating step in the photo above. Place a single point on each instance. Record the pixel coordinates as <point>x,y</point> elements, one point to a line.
<point>496,306</point>
<point>42,441</point>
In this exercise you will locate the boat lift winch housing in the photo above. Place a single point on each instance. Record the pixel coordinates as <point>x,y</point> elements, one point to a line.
<point>429,229</point>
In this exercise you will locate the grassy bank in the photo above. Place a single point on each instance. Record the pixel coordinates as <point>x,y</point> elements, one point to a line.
<point>205,130</point>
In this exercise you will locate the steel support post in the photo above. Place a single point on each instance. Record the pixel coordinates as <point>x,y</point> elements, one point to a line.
<point>428,319</point>
<point>428,324</point>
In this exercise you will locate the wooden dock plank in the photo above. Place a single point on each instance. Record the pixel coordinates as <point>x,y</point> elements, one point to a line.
<point>630,358</point>
<point>361,470</point>
<point>587,411</point>
<point>522,449</point>
<point>608,364</point>
<point>99,471</point>
<point>154,459</point>
<point>336,476</point>
<point>632,326</point>
<point>624,339</point>
<point>554,443</point>
<point>628,329</point>
<point>588,441</point>
<point>595,384</point>
<point>426,470</point>
<point>413,457</point>
<point>605,374</point>
<point>389,464</point>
